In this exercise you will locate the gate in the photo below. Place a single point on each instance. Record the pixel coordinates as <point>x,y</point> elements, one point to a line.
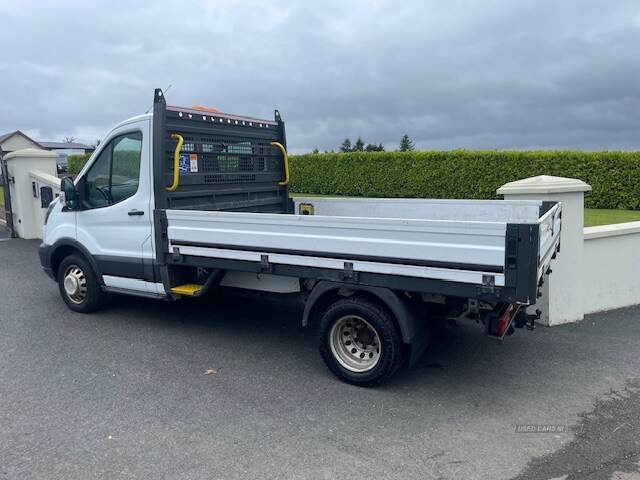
<point>6,181</point>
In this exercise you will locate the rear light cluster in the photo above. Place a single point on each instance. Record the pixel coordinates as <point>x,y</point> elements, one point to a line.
<point>499,324</point>
<point>504,321</point>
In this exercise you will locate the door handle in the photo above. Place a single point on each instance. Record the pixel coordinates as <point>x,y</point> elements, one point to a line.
<point>135,213</point>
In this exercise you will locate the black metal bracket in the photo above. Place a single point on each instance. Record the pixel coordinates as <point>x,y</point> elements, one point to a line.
<point>265,266</point>
<point>348,273</point>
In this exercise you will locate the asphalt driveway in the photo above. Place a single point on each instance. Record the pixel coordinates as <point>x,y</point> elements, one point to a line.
<point>123,394</point>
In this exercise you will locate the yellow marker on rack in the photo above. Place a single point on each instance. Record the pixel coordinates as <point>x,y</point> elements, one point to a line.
<point>176,162</point>
<point>286,163</point>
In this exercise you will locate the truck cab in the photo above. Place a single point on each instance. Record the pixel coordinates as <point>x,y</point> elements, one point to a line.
<point>110,219</point>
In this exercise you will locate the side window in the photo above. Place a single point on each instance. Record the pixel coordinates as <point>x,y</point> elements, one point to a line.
<point>125,169</point>
<point>97,181</point>
<point>115,175</point>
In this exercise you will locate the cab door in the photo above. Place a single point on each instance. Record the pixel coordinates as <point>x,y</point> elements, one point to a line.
<point>115,218</point>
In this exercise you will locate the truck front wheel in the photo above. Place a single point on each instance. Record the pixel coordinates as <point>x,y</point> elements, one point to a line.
<point>79,285</point>
<point>360,341</point>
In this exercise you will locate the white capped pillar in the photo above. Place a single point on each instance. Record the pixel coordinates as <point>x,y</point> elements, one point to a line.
<point>562,292</point>
<point>20,163</point>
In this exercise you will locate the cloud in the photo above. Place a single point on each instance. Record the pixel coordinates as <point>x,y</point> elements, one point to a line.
<point>472,74</point>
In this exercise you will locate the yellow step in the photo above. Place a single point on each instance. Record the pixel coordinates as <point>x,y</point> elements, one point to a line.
<point>187,290</point>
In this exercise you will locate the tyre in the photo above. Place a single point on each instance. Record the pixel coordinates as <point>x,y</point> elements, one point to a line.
<point>79,285</point>
<point>360,341</point>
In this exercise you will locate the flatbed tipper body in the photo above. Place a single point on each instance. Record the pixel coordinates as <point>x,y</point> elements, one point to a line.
<point>499,259</point>
<point>183,201</point>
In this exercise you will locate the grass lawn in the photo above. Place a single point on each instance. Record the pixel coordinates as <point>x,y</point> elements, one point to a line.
<point>597,216</point>
<point>1,195</point>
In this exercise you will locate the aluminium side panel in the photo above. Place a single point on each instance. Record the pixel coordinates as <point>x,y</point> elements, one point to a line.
<point>512,211</point>
<point>420,248</point>
<point>335,262</point>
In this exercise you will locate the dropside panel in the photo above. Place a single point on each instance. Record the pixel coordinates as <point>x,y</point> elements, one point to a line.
<point>456,251</point>
<point>508,211</point>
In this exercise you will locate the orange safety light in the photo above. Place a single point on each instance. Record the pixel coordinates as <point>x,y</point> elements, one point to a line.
<point>201,108</point>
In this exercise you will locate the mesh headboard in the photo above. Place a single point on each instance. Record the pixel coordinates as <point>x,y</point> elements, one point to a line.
<point>227,161</point>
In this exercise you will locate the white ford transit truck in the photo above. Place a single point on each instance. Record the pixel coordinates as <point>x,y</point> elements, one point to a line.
<point>182,201</point>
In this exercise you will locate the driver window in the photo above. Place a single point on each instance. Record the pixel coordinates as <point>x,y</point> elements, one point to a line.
<point>125,167</point>
<point>97,180</point>
<point>114,176</point>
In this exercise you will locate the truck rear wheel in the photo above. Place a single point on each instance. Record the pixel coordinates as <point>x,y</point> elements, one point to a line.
<point>360,341</point>
<point>79,285</point>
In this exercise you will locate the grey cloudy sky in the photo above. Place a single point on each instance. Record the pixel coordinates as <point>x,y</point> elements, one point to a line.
<point>452,74</point>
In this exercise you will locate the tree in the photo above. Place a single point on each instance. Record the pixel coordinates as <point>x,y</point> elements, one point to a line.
<point>406,144</point>
<point>315,150</point>
<point>359,145</point>
<point>372,147</point>
<point>346,146</point>
<point>68,139</point>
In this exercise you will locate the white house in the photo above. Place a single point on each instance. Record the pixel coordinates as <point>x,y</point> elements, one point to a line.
<point>10,142</point>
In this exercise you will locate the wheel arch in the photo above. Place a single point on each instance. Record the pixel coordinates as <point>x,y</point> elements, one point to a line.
<point>325,293</point>
<point>68,246</point>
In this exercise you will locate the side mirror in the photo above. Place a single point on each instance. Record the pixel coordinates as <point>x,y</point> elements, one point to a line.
<point>68,188</point>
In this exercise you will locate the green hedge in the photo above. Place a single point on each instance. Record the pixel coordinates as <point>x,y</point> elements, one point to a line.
<point>76,162</point>
<point>614,176</point>
<point>125,162</point>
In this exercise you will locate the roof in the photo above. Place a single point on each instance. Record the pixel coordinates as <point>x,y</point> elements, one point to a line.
<point>7,136</point>
<point>65,145</point>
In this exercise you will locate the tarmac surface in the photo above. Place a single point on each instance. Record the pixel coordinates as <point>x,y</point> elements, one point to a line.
<point>234,388</point>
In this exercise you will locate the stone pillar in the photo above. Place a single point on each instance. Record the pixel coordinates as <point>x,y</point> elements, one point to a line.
<point>562,293</point>
<point>19,164</point>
